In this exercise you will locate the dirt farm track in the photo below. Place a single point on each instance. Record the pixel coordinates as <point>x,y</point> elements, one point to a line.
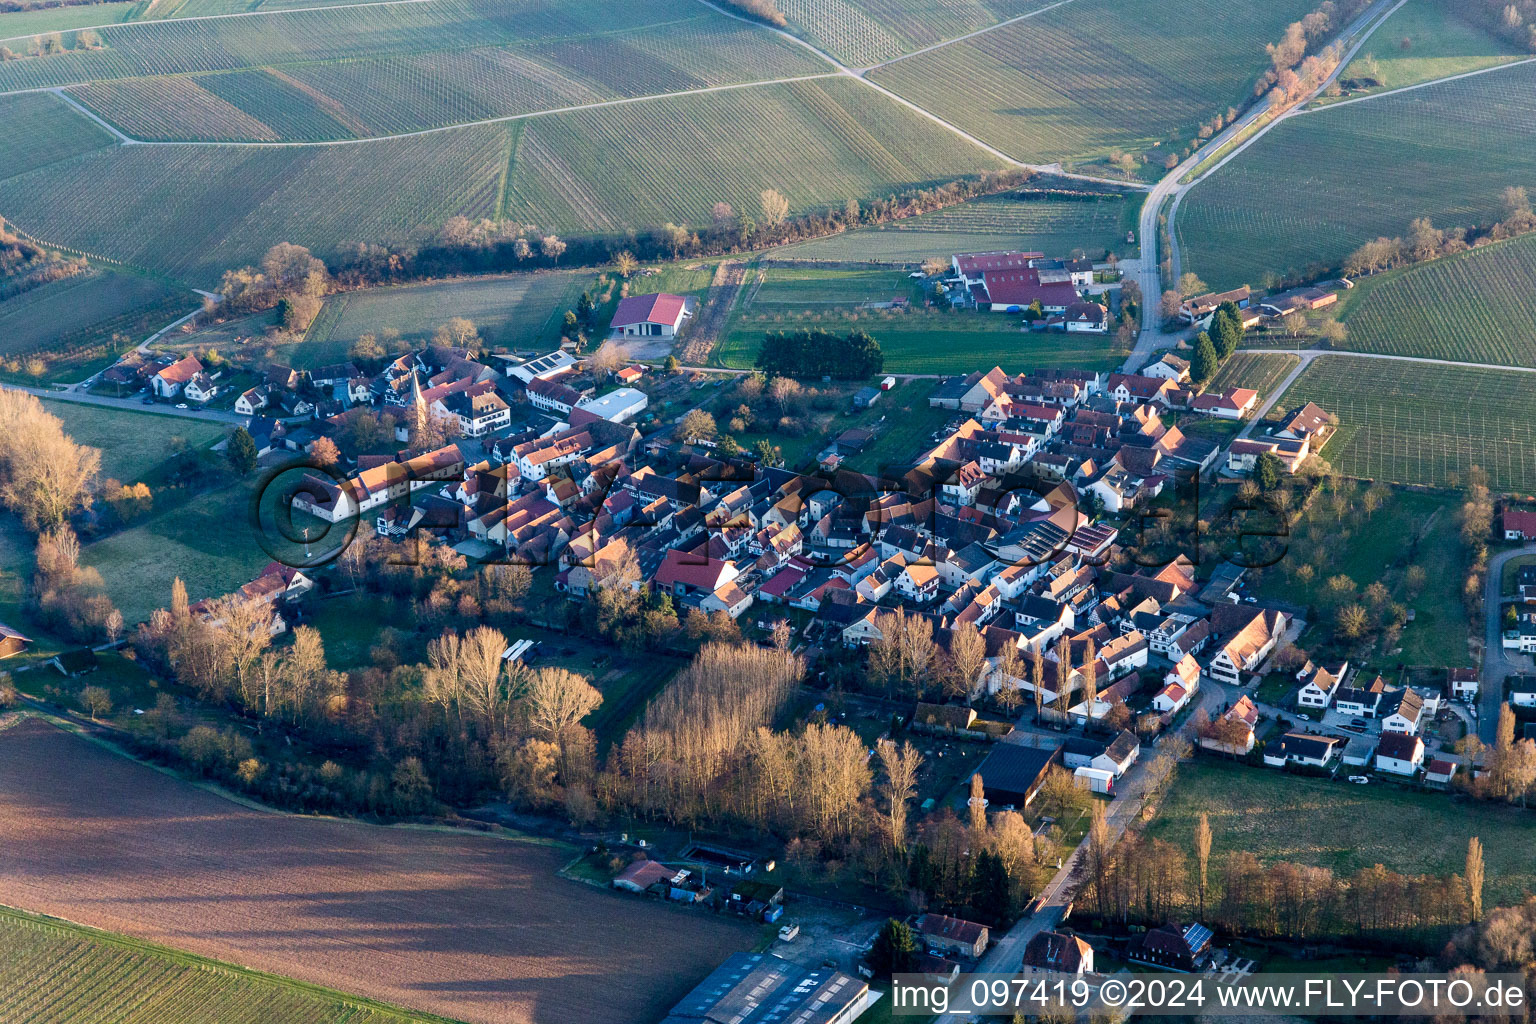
<point>469,927</point>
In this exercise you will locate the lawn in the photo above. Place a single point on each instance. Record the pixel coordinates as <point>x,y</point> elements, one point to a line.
<point>917,340</point>
<point>1060,227</point>
<point>1418,423</point>
<point>1425,40</point>
<point>112,977</point>
<point>1478,306</point>
<point>1283,817</point>
<point>1083,81</point>
<point>904,425</point>
<point>1257,370</point>
<point>514,311</point>
<point>207,541</point>
<point>1511,571</point>
<point>1292,203</point>
<point>132,442</point>
<point>1409,529</point>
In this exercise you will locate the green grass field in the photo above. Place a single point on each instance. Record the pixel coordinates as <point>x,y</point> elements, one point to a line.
<point>1375,548</point>
<point>993,222</point>
<point>1438,44</point>
<point>207,541</point>
<point>21,26</point>
<point>1257,370</point>
<point>1479,307</point>
<point>132,443</point>
<point>54,971</point>
<point>1081,81</point>
<point>1419,423</point>
<point>1281,817</point>
<point>515,311</point>
<point>1293,202</point>
<point>917,341</point>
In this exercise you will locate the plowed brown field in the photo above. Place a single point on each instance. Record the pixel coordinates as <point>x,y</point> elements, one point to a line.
<point>467,926</point>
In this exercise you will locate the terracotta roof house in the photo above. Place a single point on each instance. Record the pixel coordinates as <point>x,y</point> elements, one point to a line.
<point>953,934</point>
<point>643,874</point>
<point>169,381</point>
<point>1231,404</point>
<point>1310,421</point>
<point>652,316</point>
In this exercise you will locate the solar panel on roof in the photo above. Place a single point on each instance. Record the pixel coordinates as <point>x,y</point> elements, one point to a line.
<point>1197,935</point>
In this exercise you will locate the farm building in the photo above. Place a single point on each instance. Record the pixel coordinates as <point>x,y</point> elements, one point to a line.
<point>642,875</point>
<point>754,988</point>
<point>866,397</point>
<point>1096,780</point>
<point>11,642</point>
<point>953,934</point>
<point>1201,306</point>
<point>545,367</point>
<point>1172,948</point>
<point>616,406</point>
<point>1012,775</point>
<point>650,316</point>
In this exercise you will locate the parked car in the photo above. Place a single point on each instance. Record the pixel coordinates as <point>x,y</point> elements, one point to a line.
<point>181,405</point>
<point>1359,780</point>
<point>149,401</point>
<point>1304,716</point>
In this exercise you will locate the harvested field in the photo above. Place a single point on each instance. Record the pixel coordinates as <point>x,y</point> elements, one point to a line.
<point>467,926</point>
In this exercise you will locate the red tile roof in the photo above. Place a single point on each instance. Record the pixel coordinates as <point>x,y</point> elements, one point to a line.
<point>649,309</point>
<point>1021,287</point>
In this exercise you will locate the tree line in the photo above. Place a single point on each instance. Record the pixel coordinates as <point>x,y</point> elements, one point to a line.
<point>1425,242</point>
<point>818,353</point>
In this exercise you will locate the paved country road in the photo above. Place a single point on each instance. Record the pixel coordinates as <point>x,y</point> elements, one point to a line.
<point>129,405</point>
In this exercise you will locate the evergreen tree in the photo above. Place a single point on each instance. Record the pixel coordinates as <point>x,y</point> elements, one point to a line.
<point>894,950</point>
<point>1266,471</point>
<point>241,451</point>
<point>1203,366</point>
<point>991,888</point>
<point>585,309</point>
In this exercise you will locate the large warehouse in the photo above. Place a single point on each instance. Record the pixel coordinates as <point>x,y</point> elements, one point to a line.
<point>755,988</point>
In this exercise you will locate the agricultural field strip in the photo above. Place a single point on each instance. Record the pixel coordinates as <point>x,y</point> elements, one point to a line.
<point>290,144</point>
<point>1407,88</point>
<point>87,112</point>
<point>960,39</point>
<point>116,25</point>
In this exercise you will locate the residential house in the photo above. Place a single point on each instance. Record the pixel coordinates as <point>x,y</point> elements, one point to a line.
<point>1231,404</point>
<point>1360,701</point>
<point>1400,753</point>
<point>252,400</point>
<point>552,396</point>
<point>169,381</point>
<point>1310,423</point>
<point>1170,366</point>
<point>201,388</point>
<point>1518,524</point>
<point>1251,634</point>
<point>1057,953</point>
<point>1302,748</point>
<point>642,875</point>
<point>1118,757</point>
<point>1085,318</point>
<point>953,935</point>
<point>1465,683</point>
<point>1244,453</point>
<point>1403,712</point>
<point>1321,684</point>
<point>1440,771</point>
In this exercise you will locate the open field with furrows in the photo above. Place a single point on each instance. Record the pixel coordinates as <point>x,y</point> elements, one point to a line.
<point>21,26</point>
<point>655,49</point>
<point>918,340</point>
<point>817,142</point>
<point>1254,370</point>
<point>1419,423</point>
<point>1282,817</point>
<point>194,212</point>
<point>571,42</point>
<point>861,33</point>
<point>1058,227</point>
<point>1095,76</point>
<point>70,323</point>
<point>515,311</point>
<point>1422,41</point>
<point>473,927</point>
<point>110,977</point>
<point>1477,307</point>
<point>40,129</point>
<point>1292,203</point>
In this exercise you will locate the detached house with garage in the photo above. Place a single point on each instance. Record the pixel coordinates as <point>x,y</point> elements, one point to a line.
<point>1399,754</point>
<point>1321,684</point>
<point>169,381</point>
